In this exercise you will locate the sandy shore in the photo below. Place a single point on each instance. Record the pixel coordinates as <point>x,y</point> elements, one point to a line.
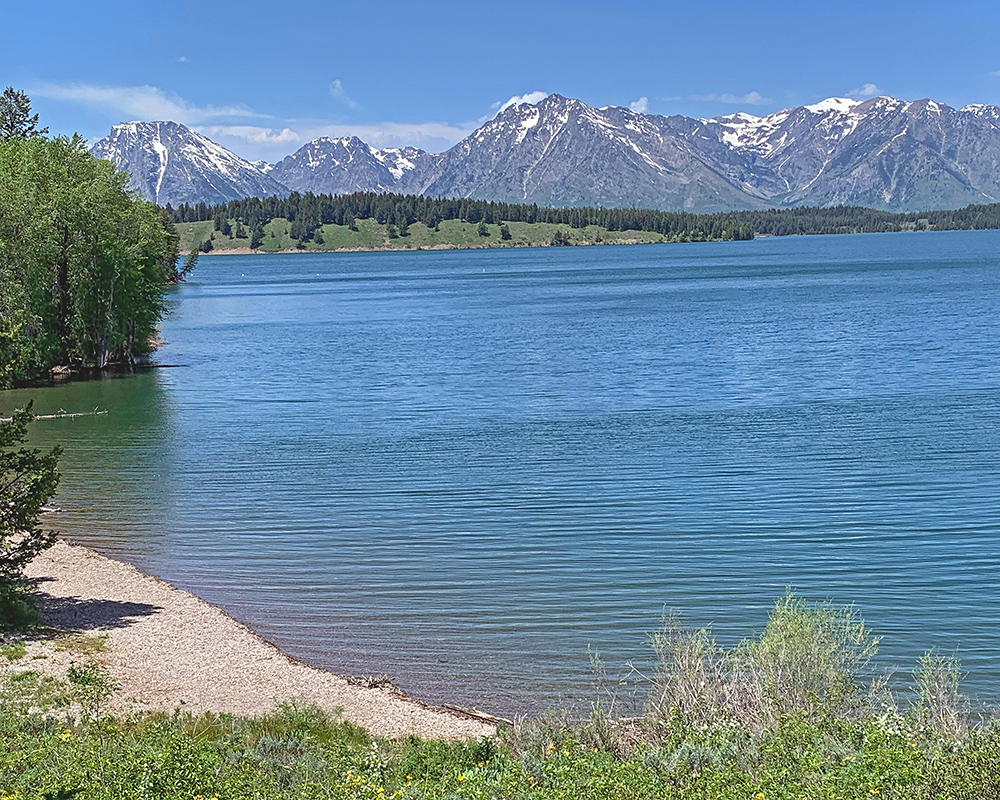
<point>169,649</point>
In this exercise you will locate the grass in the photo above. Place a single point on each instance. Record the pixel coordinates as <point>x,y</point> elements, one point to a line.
<point>82,644</point>
<point>372,236</point>
<point>793,713</point>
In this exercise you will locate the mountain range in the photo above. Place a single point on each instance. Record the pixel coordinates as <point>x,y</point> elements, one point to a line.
<point>881,153</point>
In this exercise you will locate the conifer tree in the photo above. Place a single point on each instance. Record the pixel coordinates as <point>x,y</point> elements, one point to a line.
<point>16,119</point>
<point>28,479</point>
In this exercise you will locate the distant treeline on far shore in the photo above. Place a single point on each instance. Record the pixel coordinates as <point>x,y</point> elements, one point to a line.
<point>308,212</point>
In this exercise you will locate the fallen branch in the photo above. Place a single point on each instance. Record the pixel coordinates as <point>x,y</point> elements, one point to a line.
<point>61,415</point>
<point>480,715</point>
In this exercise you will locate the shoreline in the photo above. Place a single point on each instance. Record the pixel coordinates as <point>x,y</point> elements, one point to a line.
<point>168,649</point>
<point>246,251</point>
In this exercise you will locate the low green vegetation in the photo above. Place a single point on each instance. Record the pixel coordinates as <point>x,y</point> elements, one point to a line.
<point>367,221</point>
<point>83,263</point>
<point>367,234</point>
<point>797,712</point>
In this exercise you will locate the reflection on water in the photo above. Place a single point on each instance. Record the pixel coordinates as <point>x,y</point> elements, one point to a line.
<point>463,468</point>
<point>115,467</point>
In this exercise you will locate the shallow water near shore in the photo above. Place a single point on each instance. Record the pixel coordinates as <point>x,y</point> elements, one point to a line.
<point>463,469</point>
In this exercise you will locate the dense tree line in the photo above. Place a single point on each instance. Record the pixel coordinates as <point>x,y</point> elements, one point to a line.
<point>307,212</point>
<point>856,219</point>
<point>83,263</point>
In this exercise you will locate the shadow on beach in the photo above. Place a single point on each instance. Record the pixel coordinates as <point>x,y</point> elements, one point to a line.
<point>76,614</point>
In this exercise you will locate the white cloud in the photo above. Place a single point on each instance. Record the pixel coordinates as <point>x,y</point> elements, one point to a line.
<point>996,74</point>
<point>272,144</point>
<point>183,59</point>
<point>750,98</point>
<point>139,102</point>
<point>530,99</point>
<point>251,133</point>
<point>340,93</point>
<point>865,90</point>
<point>640,106</point>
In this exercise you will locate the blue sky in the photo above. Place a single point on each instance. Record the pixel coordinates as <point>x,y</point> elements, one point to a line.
<point>264,78</point>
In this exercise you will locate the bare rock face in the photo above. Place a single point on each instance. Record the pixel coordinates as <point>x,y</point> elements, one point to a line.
<point>342,166</point>
<point>170,163</point>
<point>882,153</point>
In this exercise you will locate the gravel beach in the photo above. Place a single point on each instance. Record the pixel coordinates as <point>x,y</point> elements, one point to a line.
<point>168,649</point>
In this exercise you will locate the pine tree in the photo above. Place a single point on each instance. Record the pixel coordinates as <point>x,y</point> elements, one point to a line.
<point>481,229</point>
<point>28,478</point>
<point>505,232</point>
<point>257,237</point>
<point>16,120</point>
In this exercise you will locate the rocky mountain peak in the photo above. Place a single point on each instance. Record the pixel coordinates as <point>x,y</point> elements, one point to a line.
<point>881,152</point>
<point>170,163</point>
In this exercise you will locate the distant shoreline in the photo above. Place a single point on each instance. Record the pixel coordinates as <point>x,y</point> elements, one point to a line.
<point>246,251</point>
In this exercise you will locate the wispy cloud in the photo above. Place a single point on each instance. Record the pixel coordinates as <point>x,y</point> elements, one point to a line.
<point>182,59</point>
<point>640,106</point>
<point>273,144</point>
<point>865,90</point>
<point>750,98</point>
<point>139,102</point>
<point>338,92</point>
<point>996,74</point>
<point>520,99</point>
<point>251,133</point>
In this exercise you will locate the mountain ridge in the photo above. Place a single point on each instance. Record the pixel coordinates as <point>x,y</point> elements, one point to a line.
<point>880,152</point>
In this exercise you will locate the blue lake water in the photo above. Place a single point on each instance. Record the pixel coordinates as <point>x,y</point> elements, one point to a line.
<point>461,469</point>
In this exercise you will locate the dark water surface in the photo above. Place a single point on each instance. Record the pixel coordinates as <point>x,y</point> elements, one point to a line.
<point>463,468</point>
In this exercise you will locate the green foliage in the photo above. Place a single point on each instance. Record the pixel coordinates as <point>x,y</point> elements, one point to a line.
<point>17,611</point>
<point>810,659</point>
<point>28,479</point>
<point>561,239</point>
<point>16,119</point>
<point>823,749</point>
<point>307,212</point>
<point>13,651</point>
<point>189,264</point>
<point>855,219</point>
<point>82,262</point>
<point>941,711</point>
<point>91,686</point>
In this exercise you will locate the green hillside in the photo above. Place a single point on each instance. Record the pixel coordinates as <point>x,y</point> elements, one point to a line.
<point>370,235</point>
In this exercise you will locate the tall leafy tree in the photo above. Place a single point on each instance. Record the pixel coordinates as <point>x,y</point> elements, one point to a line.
<point>16,119</point>
<point>83,264</point>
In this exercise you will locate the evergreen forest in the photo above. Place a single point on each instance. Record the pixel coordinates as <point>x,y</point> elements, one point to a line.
<point>307,213</point>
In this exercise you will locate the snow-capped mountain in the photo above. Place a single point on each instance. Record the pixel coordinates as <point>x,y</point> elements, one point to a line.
<point>169,163</point>
<point>561,152</point>
<point>342,166</point>
<point>882,152</point>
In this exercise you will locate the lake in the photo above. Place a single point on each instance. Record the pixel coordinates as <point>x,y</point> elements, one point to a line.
<point>463,469</point>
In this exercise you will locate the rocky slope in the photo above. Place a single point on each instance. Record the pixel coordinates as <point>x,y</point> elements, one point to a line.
<point>342,166</point>
<point>170,163</point>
